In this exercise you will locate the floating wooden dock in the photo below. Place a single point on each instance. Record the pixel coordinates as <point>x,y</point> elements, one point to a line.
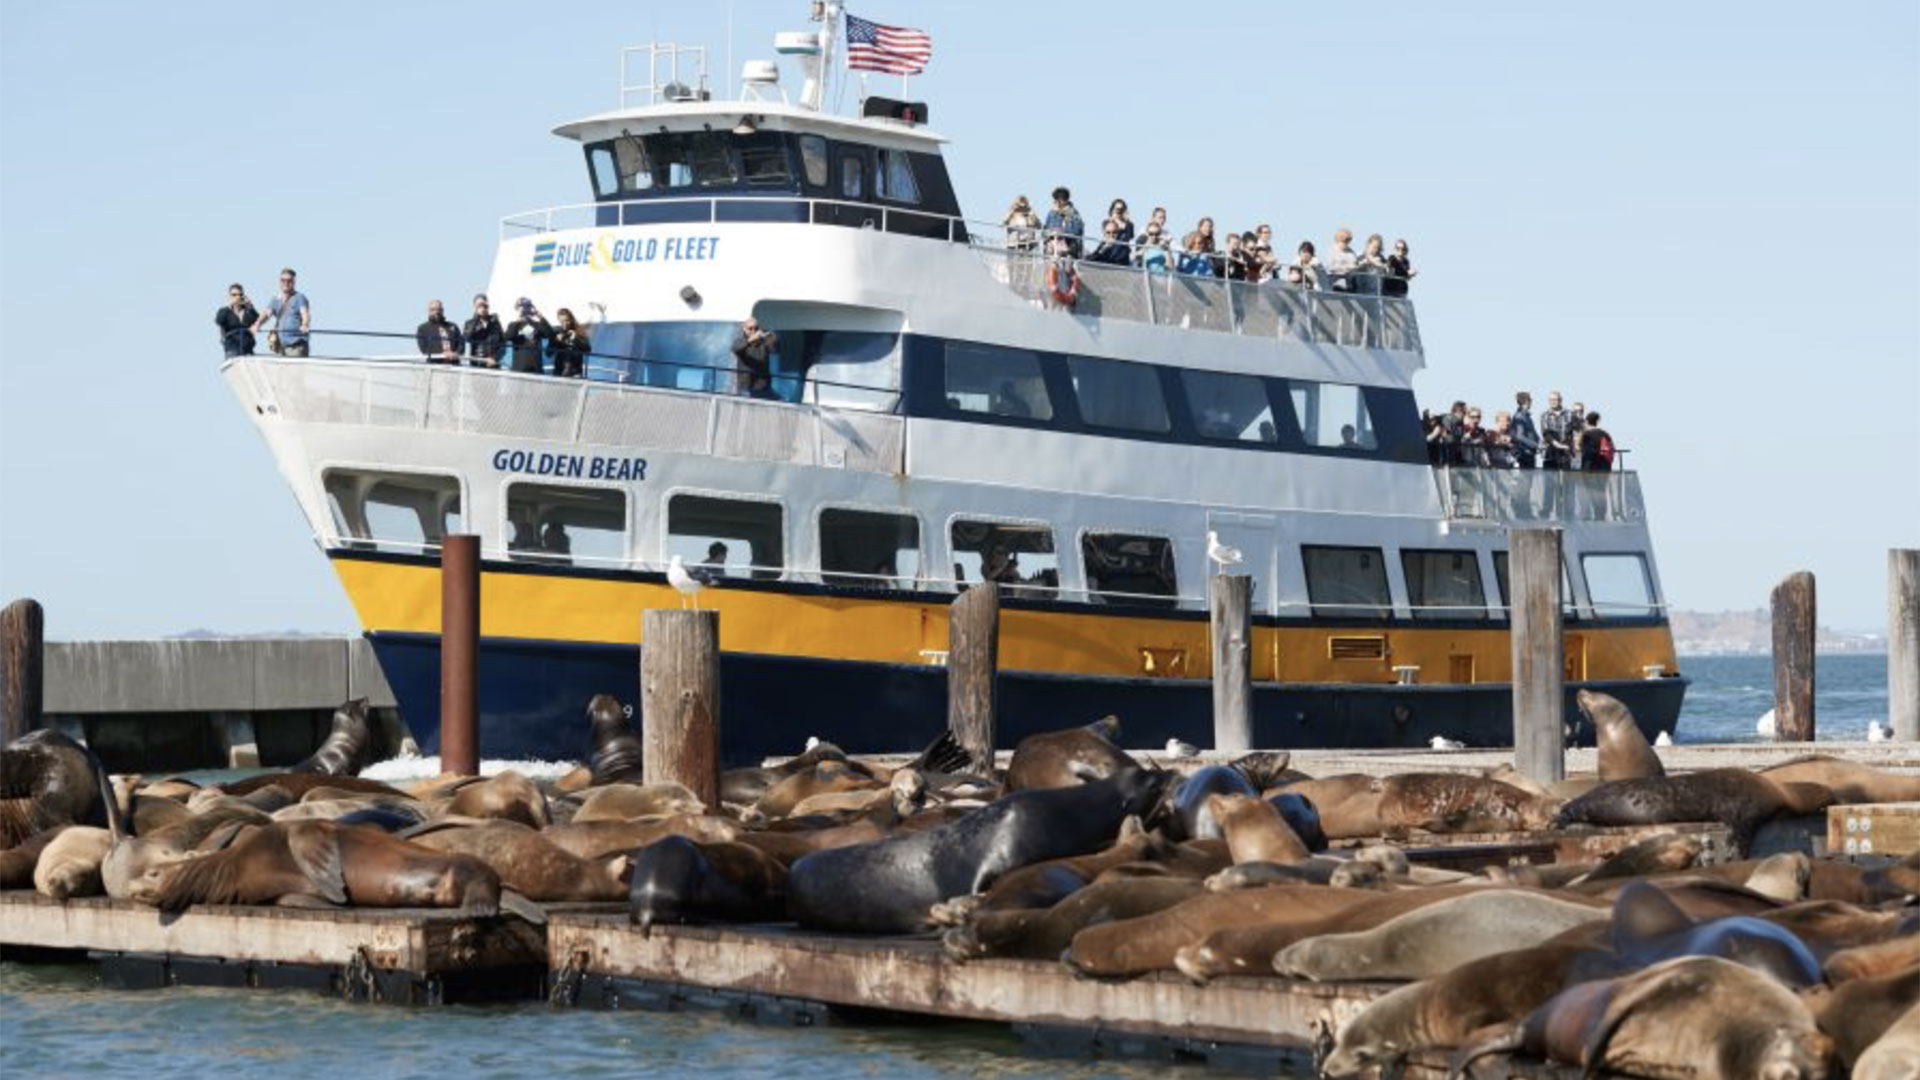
<point>407,956</point>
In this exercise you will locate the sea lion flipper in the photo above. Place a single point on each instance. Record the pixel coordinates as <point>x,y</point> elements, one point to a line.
<point>1641,913</point>
<point>1505,1040</point>
<point>512,902</point>
<point>317,853</point>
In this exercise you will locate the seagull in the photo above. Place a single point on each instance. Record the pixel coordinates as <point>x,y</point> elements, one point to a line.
<point>1877,732</point>
<point>1765,727</point>
<point>678,577</point>
<point>1178,749</point>
<point>1663,739</point>
<point>1441,742</point>
<point>1222,555</point>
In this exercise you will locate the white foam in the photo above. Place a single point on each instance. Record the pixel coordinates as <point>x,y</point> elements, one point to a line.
<point>425,768</point>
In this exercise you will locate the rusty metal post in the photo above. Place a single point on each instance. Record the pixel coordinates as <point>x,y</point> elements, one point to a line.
<point>1539,655</point>
<point>1795,629</point>
<point>459,654</point>
<point>973,664</point>
<point>22,655</point>
<point>680,700</point>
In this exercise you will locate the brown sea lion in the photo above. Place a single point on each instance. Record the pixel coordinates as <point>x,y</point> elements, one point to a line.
<point>1880,958</point>
<point>135,867</point>
<point>313,861</point>
<point>47,779</point>
<point>1896,1054</point>
<point>529,863</point>
<point>150,813</point>
<point>1850,781</point>
<point>176,788</point>
<point>746,785</point>
<point>1624,752</point>
<point>1349,804</point>
<point>1436,938</point>
<point>598,839</point>
<point>1316,870</point>
<point>1044,884</point>
<point>1740,799</point>
<point>1859,1013</point>
<point>70,863</point>
<point>1137,946</point>
<point>1696,1016</point>
<point>1783,877</point>
<point>1044,933</point>
<point>788,846</point>
<point>1661,853</point>
<point>1452,803</point>
<point>614,754</point>
<point>1255,831</point>
<point>298,784</point>
<point>18,861</point>
<point>349,746</point>
<point>624,802</point>
<point>828,776</point>
<point>1063,758</point>
<point>508,796</point>
<point>675,880</point>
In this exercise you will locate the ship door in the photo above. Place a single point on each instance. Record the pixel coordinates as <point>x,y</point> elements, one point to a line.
<point>1256,537</point>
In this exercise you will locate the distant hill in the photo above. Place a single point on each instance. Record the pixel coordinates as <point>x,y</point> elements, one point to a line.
<point>1723,633</point>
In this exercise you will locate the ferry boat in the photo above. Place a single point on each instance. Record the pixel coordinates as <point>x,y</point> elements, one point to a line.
<point>938,416</point>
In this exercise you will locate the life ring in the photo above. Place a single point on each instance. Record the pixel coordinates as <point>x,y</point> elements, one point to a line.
<point>1056,271</point>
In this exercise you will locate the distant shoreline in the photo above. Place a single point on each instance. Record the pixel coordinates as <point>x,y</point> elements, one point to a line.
<point>1724,653</point>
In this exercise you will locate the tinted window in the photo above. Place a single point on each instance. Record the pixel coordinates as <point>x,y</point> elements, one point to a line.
<point>600,163</point>
<point>726,537</point>
<point>1347,582</point>
<point>1227,406</point>
<point>852,186</point>
<point>763,159</point>
<point>1019,557</point>
<point>998,382</point>
<point>894,179</point>
<point>1500,577</point>
<point>396,511</point>
<point>1118,395</point>
<point>1618,585</point>
<point>690,159</point>
<point>635,172</point>
<point>548,523</point>
<point>1444,584</point>
<point>1333,415</point>
<point>869,548</point>
<point>1128,568</point>
<point>813,159</point>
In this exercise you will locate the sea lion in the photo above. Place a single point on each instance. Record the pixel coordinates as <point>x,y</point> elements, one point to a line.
<point>1447,1010</point>
<point>788,846</point>
<point>1896,1054</point>
<point>1044,933</point>
<point>1453,803</point>
<point>1314,870</point>
<point>70,863</point>
<point>1189,816</point>
<point>267,798</point>
<point>136,865</point>
<point>47,779</point>
<point>529,863</point>
<point>746,785</point>
<point>614,752</point>
<point>297,784</point>
<point>1783,877</point>
<point>1661,853</point>
<point>1896,881</point>
<point>1860,1012</point>
<point>1694,1016</point>
<point>335,809</point>
<point>175,788</point>
<point>624,802</point>
<point>1254,829</point>
<point>1624,752</point>
<point>1302,817</point>
<point>1649,927</point>
<point>889,886</point>
<point>676,880</point>
<point>828,776</point>
<point>1137,946</point>
<point>312,861</point>
<point>1348,804</point>
<point>150,813</point>
<point>18,861</point>
<point>386,819</point>
<point>1850,781</point>
<point>598,839</point>
<point>1436,938</point>
<point>1741,800</point>
<point>508,796</point>
<point>349,745</point>
<point>1044,884</point>
<point>1064,758</point>
<point>1886,957</point>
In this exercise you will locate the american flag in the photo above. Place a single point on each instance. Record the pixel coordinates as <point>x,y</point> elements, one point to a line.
<point>896,50</point>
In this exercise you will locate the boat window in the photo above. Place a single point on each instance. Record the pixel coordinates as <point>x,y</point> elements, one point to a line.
<point>894,178</point>
<point>996,381</point>
<point>813,159</point>
<point>763,158</point>
<point>681,355</point>
<point>1128,568</point>
<point>554,524</point>
<point>1019,557</point>
<point>726,537</point>
<point>1444,584</point>
<point>1347,582</point>
<point>687,159</point>
<point>1500,577</point>
<point>395,511</point>
<point>1333,415</point>
<point>869,548</point>
<point>1227,406</point>
<point>861,367</point>
<point>1618,585</point>
<point>1116,394</point>
<point>606,181</point>
<point>852,184</point>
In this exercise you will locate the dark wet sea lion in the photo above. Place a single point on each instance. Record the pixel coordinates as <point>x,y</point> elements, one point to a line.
<point>319,860</point>
<point>1063,758</point>
<point>1189,817</point>
<point>1044,884</point>
<point>47,779</point>
<point>1254,830</point>
<point>624,802</point>
<point>675,880</point>
<point>1648,927</point>
<point>18,861</point>
<point>1044,933</point>
<point>529,863</point>
<point>508,796</point>
<point>298,784</point>
<point>1857,1014</point>
<point>889,886</point>
<point>1850,781</point>
<point>1740,799</point>
<point>1624,752</point>
<point>1435,939</point>
<point>349,745</point>
<point>613,748</point>
<point>1696,1016</point>
<point>1302,817</point>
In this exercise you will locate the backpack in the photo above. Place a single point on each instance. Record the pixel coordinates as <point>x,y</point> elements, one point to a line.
<point>1604,452</point>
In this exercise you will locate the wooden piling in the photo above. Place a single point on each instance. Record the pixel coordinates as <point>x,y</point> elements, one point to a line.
<point>459,651</point>
<point>973,659</point>
<point>1794,631</point>
<point>1903,643</point>
<point>1229,627</point>
<point>1539,655</point>
<point>22,655</point>
<point>680,700</point>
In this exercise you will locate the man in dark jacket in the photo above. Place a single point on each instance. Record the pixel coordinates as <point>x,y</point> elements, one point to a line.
<point>438,337</point>
<point>236,322</point>
<point>753,349</point>
<point>528,335</point>
<point>484,335</point>
<point>1526,437</point>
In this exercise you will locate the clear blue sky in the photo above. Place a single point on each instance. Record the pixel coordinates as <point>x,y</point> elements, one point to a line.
<point>1701,219</point>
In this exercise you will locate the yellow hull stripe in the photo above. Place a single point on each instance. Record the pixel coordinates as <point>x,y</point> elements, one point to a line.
<point>405,598</point>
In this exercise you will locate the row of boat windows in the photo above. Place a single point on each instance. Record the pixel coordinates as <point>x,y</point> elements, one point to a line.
<point>722,537</point>
<point>697,163</point>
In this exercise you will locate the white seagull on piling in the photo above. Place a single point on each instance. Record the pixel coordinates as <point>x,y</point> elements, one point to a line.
<point>678,577</point>
<point>1441,742</point>
<point>1178,749</point>
<point>1877,732</point>
<point>1222,555</point>
<point>1764,726</point>
<point>1663,739</point>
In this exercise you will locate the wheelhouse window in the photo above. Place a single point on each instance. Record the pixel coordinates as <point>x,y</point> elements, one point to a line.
<point>996,381</point>
<point>1347,582</point>
<point>1018,556</point>
<point>1116,394</point>
<point>392,511</point>
<point>763,159</point>
<point>1444,584</point>
<point>1618,585</point>
<point>1333,415</point>
<point>606,178</point>
<point>556,524</point>
<point>1129,568</point>
<point>691,159</point>
<point>894,178</point>
<point>717,537</point>
<point>813,159</point>
<point>852,176</point>
<point>869,548</point>
<point>1229,406</point>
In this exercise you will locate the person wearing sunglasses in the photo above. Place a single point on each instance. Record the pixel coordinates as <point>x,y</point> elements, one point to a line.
<point>235,321</point>
<point>292,318</point>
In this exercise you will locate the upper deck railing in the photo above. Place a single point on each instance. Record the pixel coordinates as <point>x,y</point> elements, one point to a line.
<point>1363,318</point>
<point>1540,496</point>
